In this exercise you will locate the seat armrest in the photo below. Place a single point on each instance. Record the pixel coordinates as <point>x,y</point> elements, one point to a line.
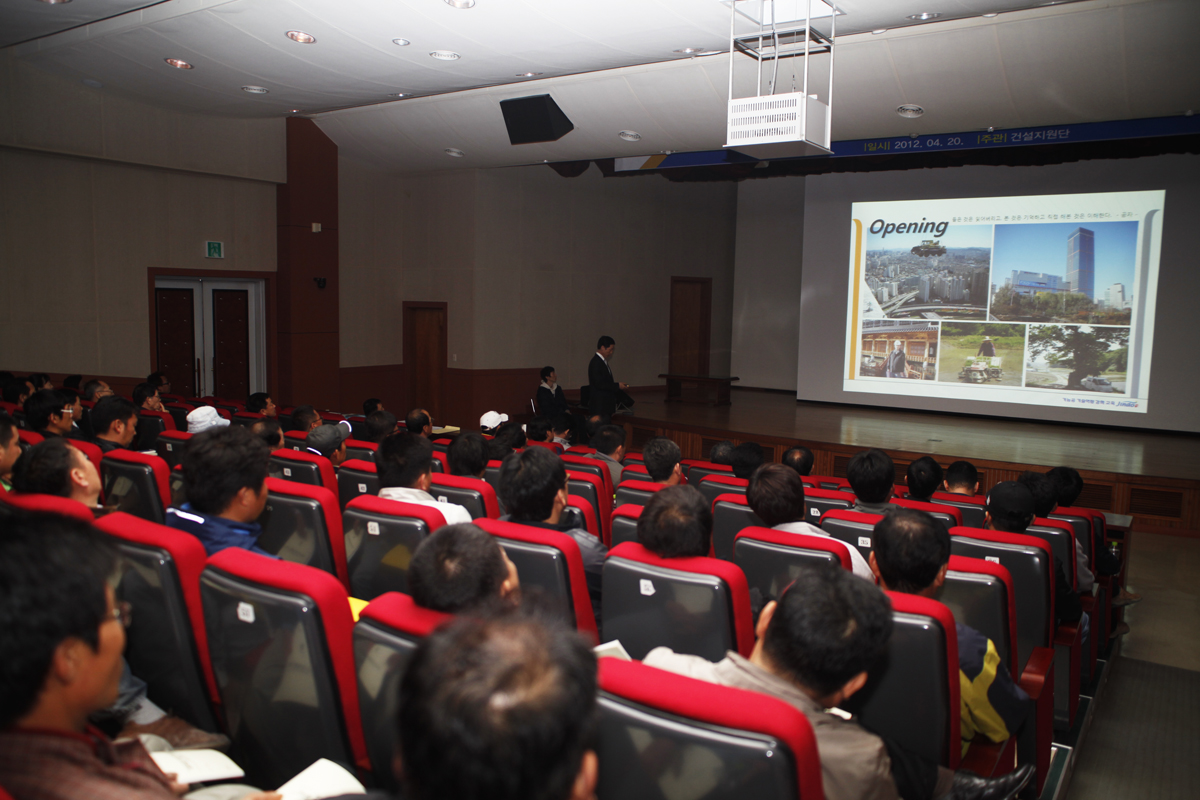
<point>989,759</point>
<point>1035,740</point>
<point>1068,640</point>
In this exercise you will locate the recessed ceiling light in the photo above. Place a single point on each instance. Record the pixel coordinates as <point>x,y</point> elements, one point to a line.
<point>991,14</point>
<point>301,37</point>
<point>454,152</point>
<point>400,94</point>
<point>255,89</point>
<point>178,63</point>
<point>401,42</point>
<point>909,111</point>
<point>445,55</point>
<point>461,3</point>
<point>92,83</point>
<point>687,51</point>
<point>923,17</point>
<point>630,136</point>
<point>878,31</point>
<point>527,74</point>
<point>54,2</point>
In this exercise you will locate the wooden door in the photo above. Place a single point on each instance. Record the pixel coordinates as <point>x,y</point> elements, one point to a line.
<point>425,356</point>
<point>175,330</point>
<point>691,319</point>
<point>231,343</point>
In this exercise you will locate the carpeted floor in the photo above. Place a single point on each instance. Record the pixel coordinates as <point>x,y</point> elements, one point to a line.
<point>1144,742</point>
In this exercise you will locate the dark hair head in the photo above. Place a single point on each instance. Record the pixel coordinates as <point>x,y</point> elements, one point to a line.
<point>537,430</point>
<point>220,462</point>
<point>144,391</point>
<point>457,568</point>
<point>721,453</point>
<point>508,437</point>
<point>1069,483</point>
<point>910,548</point>
<point>546,371</point>
<point>257,402</point>
<point>40,380</point>
<point>593,424</point>
<point>371,404</point>
<point>416,420</point>
<point>72,382</point>
<point>800,459</point>
<point>660,455</point>
<point>270,431</point>
<point>53,573</point>
<point>746,458</point>
<point>924,477</point>
<point>90,388</point>
<point>43,404</point>
<point>828,626</point>
<point>502,708</point>
<point>157,379</point>
<point>676,523</point>
<point>14,390</point>
<point>605,341</point>
<point>45,468</point>
<point>468,454</point>
<point>529,481</point>
<point>872,475</point>
<point>1010,505</point>
<point>608,438</point>
<point>303,418</point>
<point>108,410</point>
<point>8,429</point>
<point>962,474</point>
<point>402,459</point>
<point>380,423</point>
<point>562,423</point>
<point>1044,490</point>
<point>776,494</point>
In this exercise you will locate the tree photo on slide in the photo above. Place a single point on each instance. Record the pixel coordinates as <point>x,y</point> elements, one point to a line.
<point>1083,352</point>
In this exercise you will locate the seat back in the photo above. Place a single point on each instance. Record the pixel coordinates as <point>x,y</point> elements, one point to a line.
<point>818,501</point>
<point>246,418</point>
<point>279,635</point>
<point>28,438</point>
<point>731,513</point>
<point>699,606</point>
<point>980,594</point>
<point>772,559</point>
<point>950,516</point>
<point>551,561</point>
<point>592,489</point>
<point>381,537</point>
<point>476,496</point>
<point>824,482</point>
<point>636,492</point>
<point>755,745</point>
<point>577,463</point>
<point>169,447</point>
<point>294,440</point>
<point>1081,520</point>
<point>1060,535</point>
<point>149,425</point>
<point>712,485</point>
<point>553,447</point>
<point>912,696</point>
<point>580,514</point>
<point>179,412</point>
<point>356,478</point>
<point>624,524</point>
<point>695,470</point>
<point>1029,561</point>
<point>166,642</point>
<point>364,451</point>
<point>12,503</point>
<point>634,471</point>
<point>491,474</point>
<point>136,483</point>
<point>441,463</point>
<point>93,453</point>
<point>302,524</point>
<point>385,637</point>
<point>302,467</point>
<point>852,527</point>
<point>972,507</point>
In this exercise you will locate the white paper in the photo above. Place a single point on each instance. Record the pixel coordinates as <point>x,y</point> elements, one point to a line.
<point>613,649</point>
<point>322,779</point>
<point>197,766</point>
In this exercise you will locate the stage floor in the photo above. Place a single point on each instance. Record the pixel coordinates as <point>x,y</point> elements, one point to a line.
<point>779,415</point>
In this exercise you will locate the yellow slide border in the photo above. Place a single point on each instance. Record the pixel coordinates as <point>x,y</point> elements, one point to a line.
<point>857,284</point>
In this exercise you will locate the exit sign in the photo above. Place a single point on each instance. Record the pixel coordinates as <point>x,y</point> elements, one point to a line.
<point>214,250</point>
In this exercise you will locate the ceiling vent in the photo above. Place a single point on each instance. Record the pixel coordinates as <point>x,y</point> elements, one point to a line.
<point>534,119</point>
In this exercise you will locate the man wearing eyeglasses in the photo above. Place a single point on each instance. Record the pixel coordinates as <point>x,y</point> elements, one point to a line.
<point>50,412</point>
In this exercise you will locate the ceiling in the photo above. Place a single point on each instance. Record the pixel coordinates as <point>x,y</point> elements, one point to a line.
<point>610,66</point>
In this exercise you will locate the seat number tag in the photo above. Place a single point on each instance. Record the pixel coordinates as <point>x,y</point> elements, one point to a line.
<point>362,487</point>
<point>169,447</point>
<point>816,512</point>
<point>993,559</point>
<point>864,541</point>
<point>287,471</point>
<point>647,586</point>
<point>442,498</point>
<point>373,528</point>
<point>245,612</point>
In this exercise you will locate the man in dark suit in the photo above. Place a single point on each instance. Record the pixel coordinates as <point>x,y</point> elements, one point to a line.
<point>606,392</point>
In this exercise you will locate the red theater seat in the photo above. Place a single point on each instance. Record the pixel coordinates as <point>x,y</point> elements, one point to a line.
<point>381,537</point>
<point>636,492</point>
<point>949,515</point>
<point>771,559</point>
<point>303,467</point>
<point>475,495</point>
<point>46,504</point>
<point>624,524</point>
<point>137,483</point>
<point>303,524</point>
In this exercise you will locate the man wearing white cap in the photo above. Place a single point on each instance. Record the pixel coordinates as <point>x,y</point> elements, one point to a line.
<point>203,418</point>
<point>492,420</point>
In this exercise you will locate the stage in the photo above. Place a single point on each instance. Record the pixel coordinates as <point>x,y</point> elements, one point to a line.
<point>1153,476</point>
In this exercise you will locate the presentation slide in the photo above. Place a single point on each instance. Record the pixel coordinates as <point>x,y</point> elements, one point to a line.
<point>1044,300</point>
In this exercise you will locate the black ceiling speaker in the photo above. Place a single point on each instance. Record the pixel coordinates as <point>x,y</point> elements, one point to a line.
<point>534,119</point>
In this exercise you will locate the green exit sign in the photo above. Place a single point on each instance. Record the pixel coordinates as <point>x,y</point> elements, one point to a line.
<point>214,250</point>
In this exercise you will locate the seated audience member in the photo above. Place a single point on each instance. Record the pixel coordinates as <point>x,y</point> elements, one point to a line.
<point>1010,509</point>
<point>460,568</point>
<point>80,427</point>
<point>96,390</point>
<point>329,441</point>
<point>721,453</point>
<point>49,412</point>
<point>776,495</point>
<point>270,431</point>
<point>225,482</point>
<point>72,382</point>
<point>872,475</point>
<point>405,465</point>
<point>490,421</point>
<point>372,404</point>
<point>676,523</point>
<point>39,381</point>
<point>16,391</point>
<point>55,467</point>
<point>800,459</point>
<point>1069,483</point>
<point>661,457</point>
<point>562,430</point>
<point>261,403</point>
<point>305,418</point>
<point>501,708</point>
<point>160,382</point>
<point>551,402</point>
<point>62,665</point>
<point>380,424</point>
<point>509,437</point>
<point>533,488</point>
<point>924,477</point>
<point>10,449</point>
<point>114,419</point>
<point>911,554</point>
<point>1045,501</point>
<point>962,478</point>
<point>609,443</point>
<point>468,455</point>
<point>205,418</point>
<point>538,430</point>
<point>747,457</point>
<point>419,422</point>
<point>145,395</point>
<point>592,425</point>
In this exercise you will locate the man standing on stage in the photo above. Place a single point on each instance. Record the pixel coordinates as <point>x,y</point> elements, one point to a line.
<point>897,364</point>
<point>606,393</point>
